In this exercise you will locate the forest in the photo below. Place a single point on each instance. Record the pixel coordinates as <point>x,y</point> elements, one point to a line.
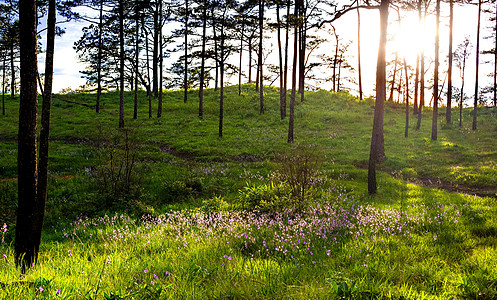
<point>230,150</point>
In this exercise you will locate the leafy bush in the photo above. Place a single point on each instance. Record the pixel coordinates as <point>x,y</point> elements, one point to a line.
<point>181,190</point>
<point>214,204</point>
<point>267,197</point>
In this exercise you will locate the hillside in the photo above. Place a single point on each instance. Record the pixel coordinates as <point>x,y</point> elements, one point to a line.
<point>167,209</point>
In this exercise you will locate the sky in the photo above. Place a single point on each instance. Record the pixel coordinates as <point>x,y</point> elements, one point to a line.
<point>404,40</point>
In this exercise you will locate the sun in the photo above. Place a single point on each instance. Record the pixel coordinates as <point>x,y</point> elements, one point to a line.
<point>410,37</point>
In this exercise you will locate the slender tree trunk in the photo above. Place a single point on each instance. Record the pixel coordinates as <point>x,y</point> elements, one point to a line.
<point>434,123</point>
<point>285,70</point>
<point>406,133</point>
<point>392,83</point>
<point>161,63</point>
<point>26,238</point>
<point>359,51</point>
<point>12,72</point>
<point>335,60</point>
<point>477,65</point>
<point>462,91</point>
<point>137,53</point>
<point>221,99</point>
<point>448,110</point>
<point>149,86</point>
<point>3,83</point>
<point>250,59</point>
<point>495,60</point>
<point>377,151</point>
<point>416,87</point>
<point>121,63</point>
<point>261,78</point>
<point>241,56</point>
<point>155,54</point>
<point>302,55</point>
<point>422,74</point>
<point>216,59</point>
<point>257,73</point>
<point>202,66</point>
<point>294,79</point>
<point>41,192</point>
<point>185,80</point>
<point>280,60</point>
<point>339,72</point>
<point>99,56</point>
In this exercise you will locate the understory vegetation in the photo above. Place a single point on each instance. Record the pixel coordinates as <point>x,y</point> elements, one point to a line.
<point>165,209</point>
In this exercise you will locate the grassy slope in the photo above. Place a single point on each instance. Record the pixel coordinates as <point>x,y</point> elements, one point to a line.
<point>447,250</point>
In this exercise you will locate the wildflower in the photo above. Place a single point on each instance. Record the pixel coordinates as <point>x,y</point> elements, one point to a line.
<point>167,273</point>
<point>4,256</point>
<point>145,271</point>
<point>107,261</point>
<point>40,289</point>
<point>57,292</point>
<point>152,283</point>
<point>69,253</point>
<point>155,276</point>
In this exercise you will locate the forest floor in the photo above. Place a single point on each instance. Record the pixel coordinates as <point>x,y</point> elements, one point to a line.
<point>166,209</point>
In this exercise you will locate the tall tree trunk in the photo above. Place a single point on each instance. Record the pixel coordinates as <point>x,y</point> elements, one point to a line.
<point>216,58</point>
<point>149,86</point>
<point>294,78</point>
<point>495,59</point>
<point>422,74</point>
<point>26,241</point>
<point>185,80</point>
<point>392,83</point>
<point>137,53</point>
<point>359,51</point>
<point>280,60</point>
<point>99,56</point>
<point>241,56</point>
<point>462,90</point>
<point>406,133</point>
<point>41,192</point>
<point>12,72</point>
<point>121,63</point>
<point>257,73</point>
<point>434,123</point>
<point>3,83</point>
<point>161,63</point>
<point>416,86</point>
<point>477,65</point>
<point>202,65</point>
<point>339,72</point>
<point>285,70</point>
<point>221,99</point>
<point>155,54</point>
<point>335,59</point>
<point>302,55</point>
<point>448,110</point>
<point>261,78</point>
<point>250,59</point>
<point>377,151</point>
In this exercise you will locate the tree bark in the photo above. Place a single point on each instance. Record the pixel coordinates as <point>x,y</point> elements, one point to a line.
<point>241,56</point>
<point>377,151</point>
<point>3,83</point>
<point>495,60</point>
<point>155,54</point>
<point>202,65</point>
<point>416,87</point>
<point>27,231</point>
<point>477,65</point>
<point>280,60</point>
<point>121,63</point>
<point>221,99</point>
<point>41,192</point>
<point>434,123</point>
<point>448,110</point>
<point>185,80</point>
<point>359,51</point>
<point>261,78</point>
<point>12,72</point>
<point>422,74</point>
<point>285,70</point>
<point>216,60</point>
<point>99,56</point>
<point>406,132</point>
<point>161,63</point>
<point>294,79</point>
<point>137,53</point>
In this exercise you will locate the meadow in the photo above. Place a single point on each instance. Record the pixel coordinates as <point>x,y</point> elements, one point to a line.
<point>165,209</point>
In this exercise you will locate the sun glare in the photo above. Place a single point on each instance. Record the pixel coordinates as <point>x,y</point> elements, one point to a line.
<point>410,37</point>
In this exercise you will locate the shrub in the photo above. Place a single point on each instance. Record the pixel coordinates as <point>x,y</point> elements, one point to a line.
<point>268,198</point>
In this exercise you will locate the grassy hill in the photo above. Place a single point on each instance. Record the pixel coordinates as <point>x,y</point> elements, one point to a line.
<point>167,209</point>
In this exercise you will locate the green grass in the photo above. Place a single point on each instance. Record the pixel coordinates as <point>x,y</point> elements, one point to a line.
<point>182,233</point>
